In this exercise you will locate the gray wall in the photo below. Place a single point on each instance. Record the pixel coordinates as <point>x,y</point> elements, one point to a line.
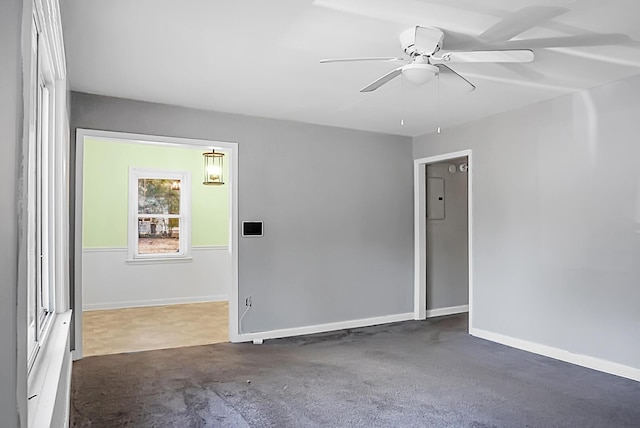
<point>12,297</point>
<point>556,221</point>
<point>447,241</point>
<point>337,206</point>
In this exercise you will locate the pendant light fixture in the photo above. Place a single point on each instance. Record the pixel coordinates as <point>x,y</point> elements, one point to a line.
<point>213,168</point>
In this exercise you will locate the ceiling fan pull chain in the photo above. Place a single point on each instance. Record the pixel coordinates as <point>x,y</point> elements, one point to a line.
<point>438,111</point>
<point>402,106</point>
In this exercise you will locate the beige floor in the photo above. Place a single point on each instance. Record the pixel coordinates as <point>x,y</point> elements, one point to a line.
<point>157,327</point>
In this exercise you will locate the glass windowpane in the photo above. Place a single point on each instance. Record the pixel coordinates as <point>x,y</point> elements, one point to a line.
<point>158,196</point>
<point>158,235</point>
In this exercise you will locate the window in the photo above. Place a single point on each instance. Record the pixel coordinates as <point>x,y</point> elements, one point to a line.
<point>159,214</point>
<point>40,207</point>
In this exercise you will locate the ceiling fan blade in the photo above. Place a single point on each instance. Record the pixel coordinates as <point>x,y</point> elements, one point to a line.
<point>382,80</point>
<point>374,58</point>
<point>570,41</point>
<point>514,55</point>
<point>450,77</point>
<point>519,22</point>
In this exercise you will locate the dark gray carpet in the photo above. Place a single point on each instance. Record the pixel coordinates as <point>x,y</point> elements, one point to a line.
<point>427,374</point>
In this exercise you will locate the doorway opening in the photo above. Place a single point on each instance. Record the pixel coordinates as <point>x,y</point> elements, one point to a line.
<point>155,248</point>
<point>443,235</point>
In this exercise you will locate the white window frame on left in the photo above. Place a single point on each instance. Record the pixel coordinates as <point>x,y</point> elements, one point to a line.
<point>41,290</point>
<point>184,254</point>
<point>44,207</point>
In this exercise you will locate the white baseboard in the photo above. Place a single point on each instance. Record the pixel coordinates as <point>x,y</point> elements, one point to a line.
<point>560,354</point>
<point>153,302</point>
<point>322,328</point>
<point>451,310</point>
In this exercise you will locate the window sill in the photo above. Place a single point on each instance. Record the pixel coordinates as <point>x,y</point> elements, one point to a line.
<point>45,377</point>
<point>159,260</point>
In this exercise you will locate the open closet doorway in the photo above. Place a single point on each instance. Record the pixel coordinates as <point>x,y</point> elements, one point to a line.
<point>447,236</point>
<point>443,251</point>
<point>155,244</point>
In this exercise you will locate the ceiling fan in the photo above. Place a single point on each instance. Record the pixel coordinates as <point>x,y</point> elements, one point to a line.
<point>426,59</point>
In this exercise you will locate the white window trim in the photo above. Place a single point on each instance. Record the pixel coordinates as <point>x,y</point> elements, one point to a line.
<point>44,145</point>
<point>185,214</point>
<point>46,369</point>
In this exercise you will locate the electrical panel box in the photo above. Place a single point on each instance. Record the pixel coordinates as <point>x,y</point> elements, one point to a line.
<point>251,229</point>
<point>435,198</point>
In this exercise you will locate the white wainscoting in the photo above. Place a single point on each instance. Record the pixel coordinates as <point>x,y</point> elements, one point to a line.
<point>110,282</point>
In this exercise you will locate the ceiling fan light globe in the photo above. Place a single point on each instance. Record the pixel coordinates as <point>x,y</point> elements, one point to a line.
<point>419,74</point>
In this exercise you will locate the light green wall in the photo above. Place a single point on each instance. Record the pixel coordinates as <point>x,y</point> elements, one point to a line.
<point>106,189</point>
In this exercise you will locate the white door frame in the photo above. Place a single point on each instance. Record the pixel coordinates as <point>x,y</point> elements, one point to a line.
<point>231,147</point>
<point>420,230</point>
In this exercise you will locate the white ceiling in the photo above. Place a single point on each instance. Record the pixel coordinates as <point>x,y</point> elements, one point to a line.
<point>261,58</point>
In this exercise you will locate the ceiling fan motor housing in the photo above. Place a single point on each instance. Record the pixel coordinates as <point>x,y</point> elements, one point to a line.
<point>419,40</point>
